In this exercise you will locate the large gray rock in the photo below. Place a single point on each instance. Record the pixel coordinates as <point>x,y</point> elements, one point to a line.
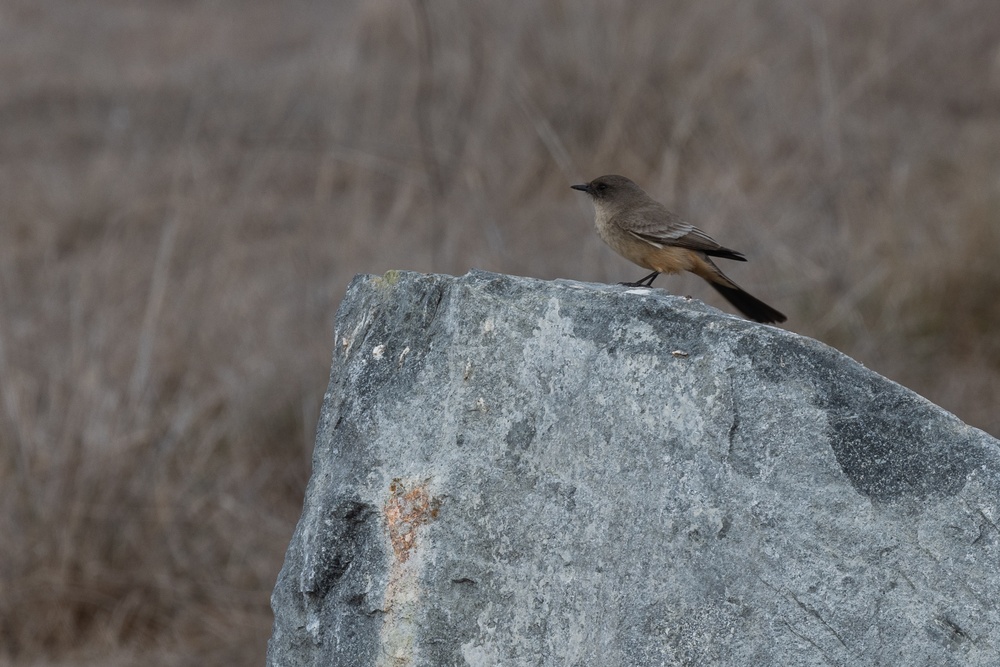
<point>518,472</point>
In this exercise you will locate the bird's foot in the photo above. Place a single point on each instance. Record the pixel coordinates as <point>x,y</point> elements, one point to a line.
<point>643,282</point>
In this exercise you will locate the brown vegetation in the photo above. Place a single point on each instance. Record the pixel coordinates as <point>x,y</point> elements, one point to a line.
<point>187,187</point>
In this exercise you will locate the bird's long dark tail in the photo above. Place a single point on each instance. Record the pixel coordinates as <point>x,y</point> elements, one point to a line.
<point>748,304</point>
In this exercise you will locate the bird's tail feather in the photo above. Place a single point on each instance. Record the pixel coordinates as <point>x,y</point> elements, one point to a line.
<point>748,304</point>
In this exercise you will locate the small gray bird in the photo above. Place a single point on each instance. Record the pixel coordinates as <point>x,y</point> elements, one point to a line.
<point>645,232</point>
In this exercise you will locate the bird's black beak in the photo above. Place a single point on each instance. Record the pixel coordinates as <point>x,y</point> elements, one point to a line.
<point>582,188</point>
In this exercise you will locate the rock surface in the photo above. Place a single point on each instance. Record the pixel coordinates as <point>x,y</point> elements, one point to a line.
<point>518,472</point>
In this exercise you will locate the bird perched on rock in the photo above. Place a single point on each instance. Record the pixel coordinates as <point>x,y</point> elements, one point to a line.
<point>645,232</point>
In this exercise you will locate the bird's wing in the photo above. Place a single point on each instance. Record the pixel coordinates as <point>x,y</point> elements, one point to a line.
<point>658,226</point>
<point>682,236</point>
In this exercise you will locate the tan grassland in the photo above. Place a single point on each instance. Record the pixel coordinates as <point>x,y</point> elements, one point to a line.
<point>187,186</point>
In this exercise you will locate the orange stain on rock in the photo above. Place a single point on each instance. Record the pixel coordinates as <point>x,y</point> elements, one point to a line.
<point>405,510</point>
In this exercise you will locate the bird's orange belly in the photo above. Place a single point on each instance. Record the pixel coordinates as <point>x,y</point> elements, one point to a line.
<point>668,259</point>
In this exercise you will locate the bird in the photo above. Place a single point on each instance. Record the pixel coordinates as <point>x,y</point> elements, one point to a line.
<point>647,233</point>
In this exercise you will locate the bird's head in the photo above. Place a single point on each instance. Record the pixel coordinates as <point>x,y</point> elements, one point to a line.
<point>610,188</point>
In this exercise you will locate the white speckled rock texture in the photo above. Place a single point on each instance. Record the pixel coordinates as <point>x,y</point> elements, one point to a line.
<point>512,472</point>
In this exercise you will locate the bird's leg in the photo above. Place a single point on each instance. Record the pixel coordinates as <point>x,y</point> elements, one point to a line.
<point>643,282</point>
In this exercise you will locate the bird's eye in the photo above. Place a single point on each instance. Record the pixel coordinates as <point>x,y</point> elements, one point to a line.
<point>601,186</point>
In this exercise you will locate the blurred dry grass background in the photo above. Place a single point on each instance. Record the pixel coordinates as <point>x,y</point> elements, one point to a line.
<point>188,186</point>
